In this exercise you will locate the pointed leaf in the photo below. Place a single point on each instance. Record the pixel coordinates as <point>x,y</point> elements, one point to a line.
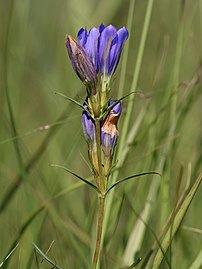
<point>9,254</point>
<point>79,177</point>
<point>70,99</point>
<point>130,177</point>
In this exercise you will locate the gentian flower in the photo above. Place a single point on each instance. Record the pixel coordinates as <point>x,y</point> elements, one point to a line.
<point>104,46</point>
<point>95,58</point>
<point>109,130</point>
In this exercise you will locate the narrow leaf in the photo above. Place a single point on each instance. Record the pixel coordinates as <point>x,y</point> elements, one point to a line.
<point>79,177</point>
<point>176,223</point>
<point>8,256</point>
<point>131,177</point>
<point>45,257</point>
<point>71,99</point>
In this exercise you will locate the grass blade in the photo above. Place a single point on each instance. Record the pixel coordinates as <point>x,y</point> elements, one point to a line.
<point>197,262</point>
<point>46,257</point>
<point>176,223</point>
<point>8,256</point>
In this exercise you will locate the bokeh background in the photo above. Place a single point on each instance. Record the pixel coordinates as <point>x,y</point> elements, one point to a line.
<point>47,206</point>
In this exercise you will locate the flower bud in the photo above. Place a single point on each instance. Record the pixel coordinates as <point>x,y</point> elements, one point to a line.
<point>89,134</point>
<point>109,131</point>
<point>109,135</point>
<point>88,126</point>
<point>82,64</point>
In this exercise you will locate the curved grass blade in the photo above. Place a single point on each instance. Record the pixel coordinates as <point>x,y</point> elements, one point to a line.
<point>79,177</point>
<point>45,257</point>
<point>8,256</point>
<point>176,223</point>
<point>131,177</point>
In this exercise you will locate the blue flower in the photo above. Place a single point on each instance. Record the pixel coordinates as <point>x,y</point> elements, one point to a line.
<point>104,46</point>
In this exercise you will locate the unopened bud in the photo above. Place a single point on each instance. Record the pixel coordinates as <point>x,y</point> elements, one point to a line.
<point>82,64</point>
<point>88,126</point>
<point>109,131</point>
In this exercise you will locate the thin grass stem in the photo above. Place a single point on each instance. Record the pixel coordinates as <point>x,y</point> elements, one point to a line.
<point>129,112</point>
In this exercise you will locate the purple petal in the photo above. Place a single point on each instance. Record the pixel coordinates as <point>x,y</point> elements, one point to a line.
<point>116,49</point>
<point>117,108</point>
<point>108,142</point>
<point>104,46</point>
<point>88,126</point>
<point>105,40</point>
<point>82,36</point>
<point>101,28</point>
<point>91,45</point>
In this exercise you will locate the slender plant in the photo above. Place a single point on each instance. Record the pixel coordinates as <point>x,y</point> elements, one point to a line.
<point>94,58</point>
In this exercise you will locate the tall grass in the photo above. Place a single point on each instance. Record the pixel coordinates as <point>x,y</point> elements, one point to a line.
<point>153,218</point>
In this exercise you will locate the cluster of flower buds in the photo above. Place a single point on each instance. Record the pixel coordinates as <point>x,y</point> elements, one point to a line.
<point>95,57</point>
<point>109,134</point>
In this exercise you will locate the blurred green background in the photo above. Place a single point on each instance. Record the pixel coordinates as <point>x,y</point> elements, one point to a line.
<point>39,127</point>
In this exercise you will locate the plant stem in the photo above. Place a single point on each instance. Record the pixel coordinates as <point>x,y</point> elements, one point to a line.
<point>102,187</point>
<point>99,159</point>
<point>99,230</point>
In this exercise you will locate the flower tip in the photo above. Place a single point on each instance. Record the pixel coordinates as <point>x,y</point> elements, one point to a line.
<point>117,108</point>
<point>70,40</point>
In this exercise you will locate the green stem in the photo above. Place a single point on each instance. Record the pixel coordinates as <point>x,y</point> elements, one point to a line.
<point>99,158</point>
<point>99,231</point>
<point>102,187</point>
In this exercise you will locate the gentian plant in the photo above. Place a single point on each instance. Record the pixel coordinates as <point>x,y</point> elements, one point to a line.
<point>95,57</point>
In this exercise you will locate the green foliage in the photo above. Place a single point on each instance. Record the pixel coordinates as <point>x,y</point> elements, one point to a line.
<point>159,130</point>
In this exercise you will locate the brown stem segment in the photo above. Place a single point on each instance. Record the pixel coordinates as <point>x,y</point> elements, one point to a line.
<point>99,231</point>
